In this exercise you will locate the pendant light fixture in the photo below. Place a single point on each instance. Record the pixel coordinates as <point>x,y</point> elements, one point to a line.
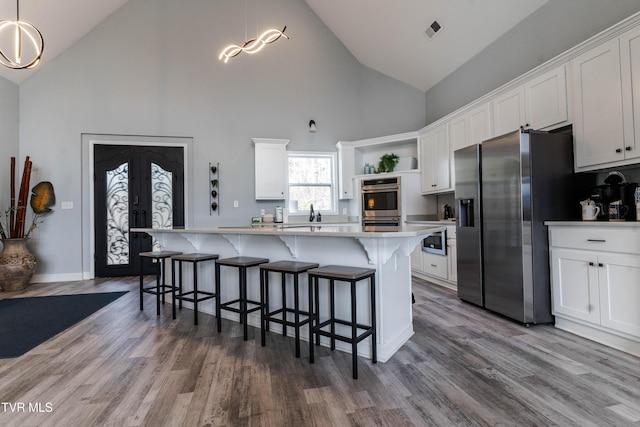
<point>253,45</point>
<point>21,44</point>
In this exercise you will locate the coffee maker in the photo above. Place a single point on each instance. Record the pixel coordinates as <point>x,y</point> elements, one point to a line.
<point>614,188</point>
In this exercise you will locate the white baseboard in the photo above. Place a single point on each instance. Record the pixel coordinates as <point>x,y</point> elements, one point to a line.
<point>64,277</point>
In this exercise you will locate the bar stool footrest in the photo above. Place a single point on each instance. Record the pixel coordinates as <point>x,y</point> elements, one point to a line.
<point>227,306</point>
<point>185,296</point>
<point>368,331</point>
<point>153,290</point>
<point>270,317</point>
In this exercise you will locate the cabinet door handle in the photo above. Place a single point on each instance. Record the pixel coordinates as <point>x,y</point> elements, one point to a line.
<point>596,240</point>
<point>618,150</point>
<point>591,264</point>
<point>433,265</point>
<point>600,264</point>
<point>627,148</point>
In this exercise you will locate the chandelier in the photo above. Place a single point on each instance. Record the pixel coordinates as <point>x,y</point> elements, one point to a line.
<point>23,40</point>
<point>253,45</point>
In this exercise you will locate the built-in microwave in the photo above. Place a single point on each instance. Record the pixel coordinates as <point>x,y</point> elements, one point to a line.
<point>435,242</point>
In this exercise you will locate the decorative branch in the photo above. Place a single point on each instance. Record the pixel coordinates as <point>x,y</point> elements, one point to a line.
<point>12,208</point>
<point>15,217</point>
<point>21,214</point>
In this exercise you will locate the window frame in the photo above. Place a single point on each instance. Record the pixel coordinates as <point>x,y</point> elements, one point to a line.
<point>333,185</point>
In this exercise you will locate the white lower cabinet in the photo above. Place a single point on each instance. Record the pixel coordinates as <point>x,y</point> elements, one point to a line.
<point>452,258</point>
<point>439,269</point>
<point>619,280</point>
<point>434,265</point>
<point>575,284</point>
<point>596,283</point>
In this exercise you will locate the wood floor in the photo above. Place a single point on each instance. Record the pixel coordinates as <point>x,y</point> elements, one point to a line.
<point>463,367</point>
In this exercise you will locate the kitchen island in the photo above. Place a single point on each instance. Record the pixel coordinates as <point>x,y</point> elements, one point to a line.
<point>386,251</point>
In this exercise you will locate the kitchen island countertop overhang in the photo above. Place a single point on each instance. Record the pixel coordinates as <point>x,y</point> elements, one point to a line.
<point>388,251</point>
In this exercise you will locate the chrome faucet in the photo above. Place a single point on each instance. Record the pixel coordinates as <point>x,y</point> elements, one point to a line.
<point>312,214</point>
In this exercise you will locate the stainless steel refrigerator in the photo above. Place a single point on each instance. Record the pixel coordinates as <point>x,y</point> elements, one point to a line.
<point>526,178</point>
<point>469,224</point>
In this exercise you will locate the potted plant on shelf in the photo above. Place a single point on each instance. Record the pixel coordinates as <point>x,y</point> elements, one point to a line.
<point>17,264</point>
<point>388,162</point>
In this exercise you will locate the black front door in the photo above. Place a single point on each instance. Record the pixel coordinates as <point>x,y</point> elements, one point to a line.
<point>135,186</point>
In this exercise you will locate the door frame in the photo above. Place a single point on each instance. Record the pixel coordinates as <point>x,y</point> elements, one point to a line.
<point>89,141</point>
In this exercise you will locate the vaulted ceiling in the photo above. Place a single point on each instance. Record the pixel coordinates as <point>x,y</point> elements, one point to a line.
<point>387,36</point>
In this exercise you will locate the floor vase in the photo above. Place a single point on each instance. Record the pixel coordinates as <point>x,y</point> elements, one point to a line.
<point>17,265</point>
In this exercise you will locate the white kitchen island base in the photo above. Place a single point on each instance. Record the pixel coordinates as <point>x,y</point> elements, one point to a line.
<point>387,252</point>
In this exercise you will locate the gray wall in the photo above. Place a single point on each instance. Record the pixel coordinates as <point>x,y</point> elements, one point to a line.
<point>554,28</point>
<point>152,69</point>
<point>8,141</point>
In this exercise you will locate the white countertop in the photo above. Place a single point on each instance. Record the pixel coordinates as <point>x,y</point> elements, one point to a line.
<point>441,222</point>
<point>624,224</point>
<point>317,230</point>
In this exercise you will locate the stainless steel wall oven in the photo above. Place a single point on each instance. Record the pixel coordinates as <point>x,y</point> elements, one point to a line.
<point>381,198</point>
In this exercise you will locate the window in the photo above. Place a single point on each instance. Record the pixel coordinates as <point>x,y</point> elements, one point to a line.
<point>312,180</point>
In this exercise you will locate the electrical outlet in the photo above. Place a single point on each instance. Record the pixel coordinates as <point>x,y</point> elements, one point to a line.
<point>235,204</point>
<point>66,205</point>
<point>344,211</point>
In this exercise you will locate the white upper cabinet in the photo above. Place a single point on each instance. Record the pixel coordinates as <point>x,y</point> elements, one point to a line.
<point>597,91</point>
<point>546,99</point>
<point>458,138</point>
<point>630,72</point>
<point>471,127</point>
<point>480,128</point>
<point>270,168</point>
<point>508,111</point>
<point>540,103</point>
<point>434,160</point>
<point>346,170</point>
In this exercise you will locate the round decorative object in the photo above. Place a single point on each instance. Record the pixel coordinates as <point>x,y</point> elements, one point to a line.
<point>17,265</point>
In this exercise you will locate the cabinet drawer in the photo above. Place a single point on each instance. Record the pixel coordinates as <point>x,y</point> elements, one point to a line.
<point>624,239</point>
<point>434,265</point>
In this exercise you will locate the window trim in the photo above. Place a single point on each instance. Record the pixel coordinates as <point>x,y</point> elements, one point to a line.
<point>334,180</point>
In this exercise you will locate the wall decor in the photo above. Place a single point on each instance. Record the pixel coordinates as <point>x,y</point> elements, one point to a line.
<point>214,188</point>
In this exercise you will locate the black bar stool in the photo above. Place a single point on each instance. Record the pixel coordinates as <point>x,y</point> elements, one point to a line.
<point>242,263</point>
<point>351,275</point>
<point>159,289</point>
<point>195,296</point>
<point>294,268</point>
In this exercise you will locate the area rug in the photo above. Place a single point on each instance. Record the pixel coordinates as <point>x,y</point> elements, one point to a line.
<point>28,322</point>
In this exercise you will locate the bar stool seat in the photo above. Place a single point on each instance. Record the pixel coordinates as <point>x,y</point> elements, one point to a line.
<point>160,289</point>
<point>195,296</point>
<point>351,275</point>
<point>242,263</point>
<point>294,268</point>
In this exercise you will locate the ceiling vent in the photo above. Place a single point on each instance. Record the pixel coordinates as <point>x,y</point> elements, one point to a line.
<point>433,29</point>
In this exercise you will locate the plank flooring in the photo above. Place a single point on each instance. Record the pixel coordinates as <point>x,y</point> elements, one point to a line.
<point>463,367</point>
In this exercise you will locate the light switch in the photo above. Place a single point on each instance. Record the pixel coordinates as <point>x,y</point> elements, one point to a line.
<point>235,204</point>
<point>66,205</point>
